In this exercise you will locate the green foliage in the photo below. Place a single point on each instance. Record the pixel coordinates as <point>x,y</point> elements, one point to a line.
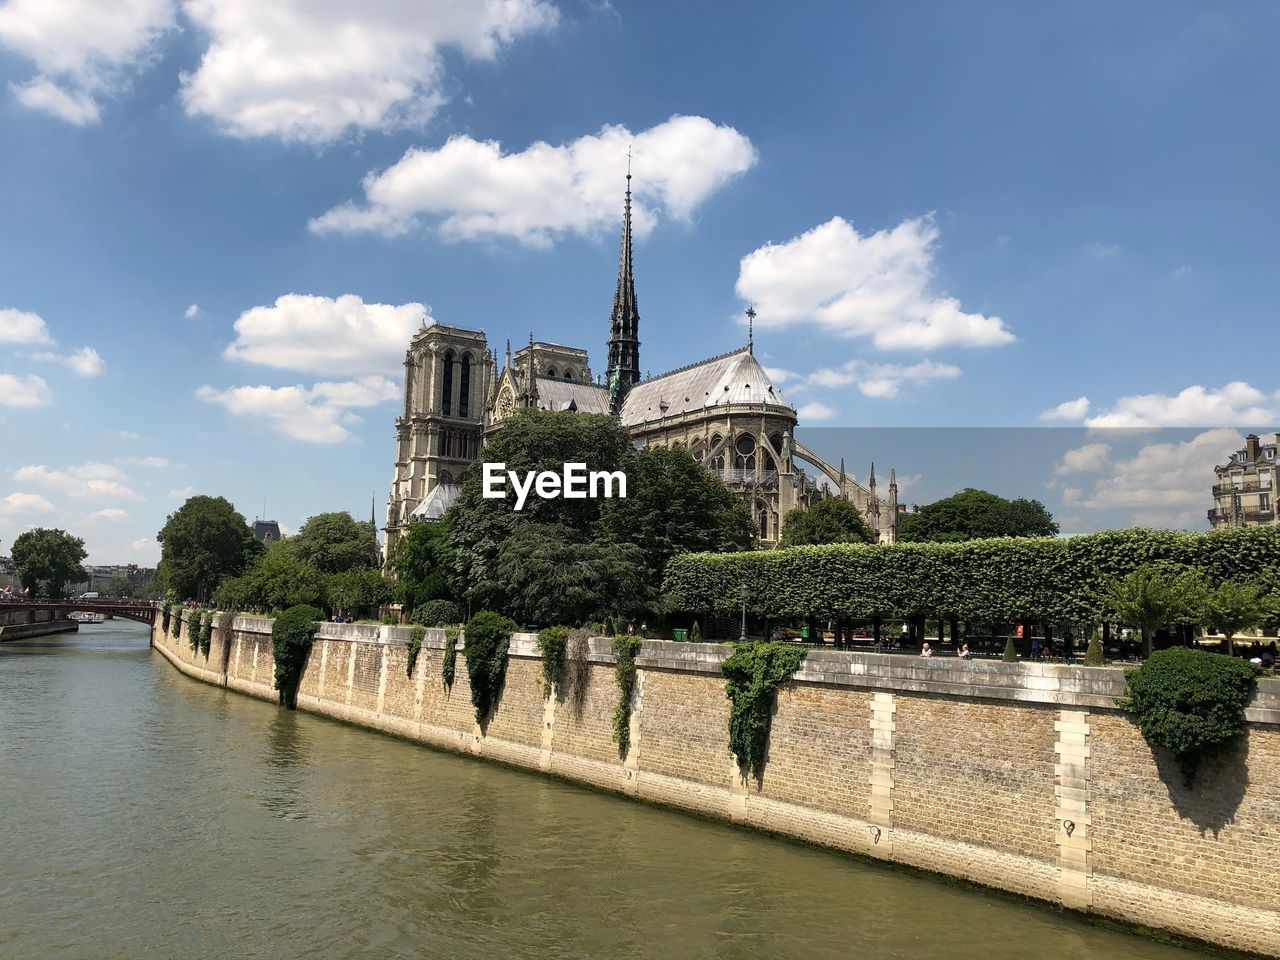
<point>753,674</point>
<point>1001,580</point>
<point>357,592</point>
<point>834,520</point>
<point>47,560</point>
<point>449,664</point>
<point>416,636</point>
<point>206,631</point>
<point>422,563</point>
<point>1151,597</point>
<point>1010,651</point>
<point>1094,656</point>
<point>336,542</point>
<point>624,650</point>
<point>202,543</point>
<point>277,579</point>
<point>976,514</point>
<point>436,613</point>
<point>552,643</point>
<point>118,586</point>
<point>291,636</point>
<point>695,633</point>
<point>485,645</point>
<point>165,613</point>
<point>177,623</point>
<point>193,631</point>
<point>1231,607</point>
<point>1189,702</point>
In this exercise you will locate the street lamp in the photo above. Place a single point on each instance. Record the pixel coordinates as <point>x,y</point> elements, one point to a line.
<point>743,592</point>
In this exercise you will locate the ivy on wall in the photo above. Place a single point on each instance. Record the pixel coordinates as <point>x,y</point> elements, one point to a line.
<point>206,632</point>
<point>165,614</point>
<point>291,636</point>
<point>552,643</point>
<point>414,644</point>
<point>1190,702</point>
<point>753,674</point>
<point>193,631</point>
<point>485,643</point>
<point>624,649</point>
<point>450,662</point>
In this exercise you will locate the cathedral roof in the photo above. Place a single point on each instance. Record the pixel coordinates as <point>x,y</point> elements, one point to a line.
<point>729,379</point>
<point>436,502</point>
<point>556,394</point>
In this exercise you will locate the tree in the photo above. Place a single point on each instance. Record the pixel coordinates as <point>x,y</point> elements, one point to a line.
<point>973,514</point>
<point>674,505</point>
<point>47,560</point>
<point>202,543</point>
<point>422,563</point>
<point>118,586</point>
<point>278,579</point>
<point>833,520</point>
<point>1150,597</point>
<point>1231,607</point>
<point>336,542</point>
<point>356,592</point>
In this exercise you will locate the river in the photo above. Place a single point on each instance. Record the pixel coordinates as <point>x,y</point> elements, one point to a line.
<point>149,815</point>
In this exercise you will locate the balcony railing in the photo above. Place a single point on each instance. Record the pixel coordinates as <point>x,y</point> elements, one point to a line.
<point>1252,486</point>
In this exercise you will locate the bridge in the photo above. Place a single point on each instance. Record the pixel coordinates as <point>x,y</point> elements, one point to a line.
<point>141,611</point>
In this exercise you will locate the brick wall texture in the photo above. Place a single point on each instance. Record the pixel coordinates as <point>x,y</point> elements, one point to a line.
<point>1068,805</point>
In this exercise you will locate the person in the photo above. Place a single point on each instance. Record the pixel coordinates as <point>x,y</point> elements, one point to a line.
<point>1035,646</point>
<point>906,632</point>
<point>964,653</point>
<point>1268,657</point>
<point>926,650</point>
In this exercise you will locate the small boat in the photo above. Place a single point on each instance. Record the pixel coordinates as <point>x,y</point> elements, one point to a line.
<point>83,616</point>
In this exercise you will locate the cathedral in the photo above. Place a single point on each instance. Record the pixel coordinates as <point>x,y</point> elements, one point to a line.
<point>724,411</point>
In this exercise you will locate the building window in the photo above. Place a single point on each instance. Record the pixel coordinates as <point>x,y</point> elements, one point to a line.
<point>446,393</point>
<point>1264,478</point>
<point>1264,501</point>
<point>464,387</point>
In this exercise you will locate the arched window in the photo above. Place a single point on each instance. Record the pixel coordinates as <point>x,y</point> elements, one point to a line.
<point>763,511</point>
<point>568,374</point>
<point>446,392</point>
<point>551,372</point>
<point>464,386</point>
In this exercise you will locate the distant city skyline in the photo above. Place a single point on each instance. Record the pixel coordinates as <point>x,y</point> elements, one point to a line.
<point>944,217</point>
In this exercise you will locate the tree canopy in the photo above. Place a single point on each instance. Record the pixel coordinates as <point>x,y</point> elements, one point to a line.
<point>47,560</point>
<point>975,514</point>
<point>202,543</point>
<point>422,563</point>
<point>833,520</point>
<point>336,542</point>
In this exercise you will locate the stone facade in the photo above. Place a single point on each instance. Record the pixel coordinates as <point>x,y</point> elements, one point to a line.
<point>1244,488</point>
<point>1022,777</point>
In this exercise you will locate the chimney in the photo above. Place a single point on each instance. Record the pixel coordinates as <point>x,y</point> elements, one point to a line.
<point>1251,448</point>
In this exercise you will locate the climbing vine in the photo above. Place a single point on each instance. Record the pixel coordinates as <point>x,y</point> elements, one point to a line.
<point>291,636</point>
<point>552,643</point>
<point>624,649</point>
<point>1190,702</point>
<point>414,644</point>
<point>485,643</point>
<point>450,662</point>
<point>177,624</point>
<point>165,614</point>
<point>193,631</point>
<point>206,632</point>
<point>753,674</point>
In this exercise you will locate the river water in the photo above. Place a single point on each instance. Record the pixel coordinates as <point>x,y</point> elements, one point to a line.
<point>148,815</point>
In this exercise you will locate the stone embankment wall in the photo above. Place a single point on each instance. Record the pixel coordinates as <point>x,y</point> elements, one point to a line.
<point>24,624</point>
<point>1023,777</point>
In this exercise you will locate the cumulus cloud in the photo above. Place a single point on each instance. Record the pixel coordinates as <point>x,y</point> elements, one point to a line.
<point>86,362</point>
<point>472,189</point>
<point>20,504</point>
<point>317,414</point>
<point>1090,458</point>
<point>156,462</point>
<point>21,326</point>
<point>1237,403</point>
<point>1166,475</point>
<point>97,480</point>
<point>1069,410</point>
<point>192,311</point>
<point>82,50</point>
<point>322,335</point>
<point>882,379</point>
<point>875,286</point>
<point>780,375</point>
<point>109,514</point>
<point>815,411</point>
<point>23,391</point>
<point>314,72</point>
<point>182,493</point>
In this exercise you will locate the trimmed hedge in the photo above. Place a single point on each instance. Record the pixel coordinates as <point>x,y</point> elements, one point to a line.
<point>436,613</point>
<point>1003,579</point>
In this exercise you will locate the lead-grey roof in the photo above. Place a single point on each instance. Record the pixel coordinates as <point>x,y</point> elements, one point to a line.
<point>731,378</point>
<point>437,502</point>
<point>556,394</point>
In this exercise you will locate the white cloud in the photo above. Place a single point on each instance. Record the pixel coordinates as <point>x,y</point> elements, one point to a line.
<point>1237,403</point>
<point>23,391</point>
<point>313,71</point>
<point>16,504</point>
<point>1090,458</point>
<point>318,414</point>
<point>127,435</point>
<point>82,49</point>
<point>874,286</point>
<point>21,326</point>
<point>86,362</point>
<point>474,190</point>
<point>156,462</point>
<point>882,379</point>
<point>192,311</point>
<point>1104,251</point>
<point>109,514</point>
<point>1071,410</point>
<point>182,493</point>
<point>97,480</point>
<point>322,335</point>
<point>1167,475</point>
<point>815,411</point>
<point>780,376</point>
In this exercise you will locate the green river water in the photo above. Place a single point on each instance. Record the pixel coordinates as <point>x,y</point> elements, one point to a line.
<point>148,815</point>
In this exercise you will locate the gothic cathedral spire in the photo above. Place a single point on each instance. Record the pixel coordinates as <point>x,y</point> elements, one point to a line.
<point>624,323</point>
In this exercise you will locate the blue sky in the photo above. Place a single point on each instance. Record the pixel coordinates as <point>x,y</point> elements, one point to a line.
<point>947,215</point>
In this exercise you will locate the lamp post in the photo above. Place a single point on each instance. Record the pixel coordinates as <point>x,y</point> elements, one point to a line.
<point>743,593</point>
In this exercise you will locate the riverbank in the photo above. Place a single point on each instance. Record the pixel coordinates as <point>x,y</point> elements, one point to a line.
<point>26,624</point>
<point>1022,777</point>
